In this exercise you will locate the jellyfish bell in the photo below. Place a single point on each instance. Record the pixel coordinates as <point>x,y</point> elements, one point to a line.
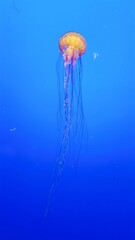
<point>72,45</point>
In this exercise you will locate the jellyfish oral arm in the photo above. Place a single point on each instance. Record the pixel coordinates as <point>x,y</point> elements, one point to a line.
<point>70,56</point>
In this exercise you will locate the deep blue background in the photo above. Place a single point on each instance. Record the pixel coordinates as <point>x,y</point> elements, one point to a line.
<point>97,203</point>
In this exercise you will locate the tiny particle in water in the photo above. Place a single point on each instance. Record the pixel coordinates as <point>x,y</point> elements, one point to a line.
<point>95,55</point>
<point>12,129</point>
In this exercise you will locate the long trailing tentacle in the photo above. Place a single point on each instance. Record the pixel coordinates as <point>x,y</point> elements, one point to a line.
<point>68,98</point>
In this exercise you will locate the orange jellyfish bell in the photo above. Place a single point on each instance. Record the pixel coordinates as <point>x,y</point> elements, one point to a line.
<point>72,45</point>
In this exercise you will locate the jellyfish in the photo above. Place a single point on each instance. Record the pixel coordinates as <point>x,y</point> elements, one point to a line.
<point>72,46</point>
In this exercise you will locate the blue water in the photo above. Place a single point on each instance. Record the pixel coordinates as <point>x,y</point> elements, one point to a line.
<point>96,202</point>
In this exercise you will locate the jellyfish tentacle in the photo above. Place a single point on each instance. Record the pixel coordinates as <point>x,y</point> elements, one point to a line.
<point>65,139</point>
